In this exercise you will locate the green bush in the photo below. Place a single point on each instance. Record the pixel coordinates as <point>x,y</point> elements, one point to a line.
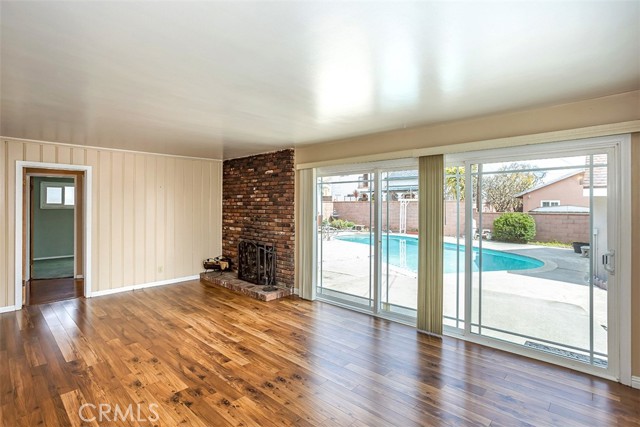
<point>341,224</point>
<point>514,227</point>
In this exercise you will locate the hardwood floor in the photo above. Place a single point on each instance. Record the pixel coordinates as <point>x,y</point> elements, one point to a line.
<point>209,357</point>
<point>44,291</point>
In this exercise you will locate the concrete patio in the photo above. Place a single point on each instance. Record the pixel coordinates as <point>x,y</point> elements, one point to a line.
<point>550,302</point>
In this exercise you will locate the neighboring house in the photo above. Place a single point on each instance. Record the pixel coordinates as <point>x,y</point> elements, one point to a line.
<point>570,194</point>
<point>600,239</point>
<point>599,177</point>
<point>396,185</point>
<point>564,191</point>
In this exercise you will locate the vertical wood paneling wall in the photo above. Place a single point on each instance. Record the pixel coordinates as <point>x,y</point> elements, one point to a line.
<point>154,217</point>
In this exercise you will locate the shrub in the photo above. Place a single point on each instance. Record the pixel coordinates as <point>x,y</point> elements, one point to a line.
<point>514,227</point>
<point>341,224</point>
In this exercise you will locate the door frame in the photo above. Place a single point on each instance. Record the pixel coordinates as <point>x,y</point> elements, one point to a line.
<point>29,205</point>
<point>19,212</point>
<point>376,169</point>
<point>620,304</point>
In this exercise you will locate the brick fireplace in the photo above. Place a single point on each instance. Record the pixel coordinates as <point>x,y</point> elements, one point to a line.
<point>258,205</point>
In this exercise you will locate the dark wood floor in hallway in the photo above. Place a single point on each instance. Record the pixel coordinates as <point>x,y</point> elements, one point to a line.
<point>194,355</point>
<point>43,291</point>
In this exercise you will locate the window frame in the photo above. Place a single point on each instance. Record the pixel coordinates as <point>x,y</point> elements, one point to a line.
<point>63,186</point>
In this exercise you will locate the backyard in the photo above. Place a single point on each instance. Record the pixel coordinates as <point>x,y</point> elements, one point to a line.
<point>536,306</point>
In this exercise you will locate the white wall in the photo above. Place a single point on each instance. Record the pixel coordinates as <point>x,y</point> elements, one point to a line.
<point>154,217</point>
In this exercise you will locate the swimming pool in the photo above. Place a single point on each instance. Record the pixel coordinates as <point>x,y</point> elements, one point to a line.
<point>403,252</point>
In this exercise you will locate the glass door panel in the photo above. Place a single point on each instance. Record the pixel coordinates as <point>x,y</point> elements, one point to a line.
<point>368,241</point>
<point>539,230</point>
<point>454,247</point>
<point>399,243</point>
<point>345,236</point>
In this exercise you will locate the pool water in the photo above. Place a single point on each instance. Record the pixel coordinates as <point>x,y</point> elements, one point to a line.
<point>403,252</point>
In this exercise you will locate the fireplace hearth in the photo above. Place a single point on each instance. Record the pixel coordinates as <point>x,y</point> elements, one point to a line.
<point>257,263</point>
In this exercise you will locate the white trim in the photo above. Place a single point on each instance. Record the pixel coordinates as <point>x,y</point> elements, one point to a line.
<point>7,309</point>
<point>143,286</point>
<point>534,152</point>
<point>79,276</point>
<point>87,226</point>
<point>354,169</point>
<point>512,141</point>
<point>590,133</point>
<point>635,382</point>
<point>118,150</point>
<point>19,188</point>
<point>53,257</point>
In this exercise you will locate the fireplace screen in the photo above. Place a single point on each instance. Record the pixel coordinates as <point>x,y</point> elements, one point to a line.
<point>257,263</point>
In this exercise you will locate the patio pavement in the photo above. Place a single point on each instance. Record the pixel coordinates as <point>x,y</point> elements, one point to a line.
<point>551,302</point>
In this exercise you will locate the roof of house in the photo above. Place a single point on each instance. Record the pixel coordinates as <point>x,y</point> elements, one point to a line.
<point>561,209</point>
<point>546,184</point>
<point>403,174</point>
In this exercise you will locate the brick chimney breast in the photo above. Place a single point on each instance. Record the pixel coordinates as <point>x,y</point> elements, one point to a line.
<point>258,204</point>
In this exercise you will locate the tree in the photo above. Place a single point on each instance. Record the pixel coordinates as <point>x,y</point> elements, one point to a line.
<point>499,189</point>
<point>454,182</point>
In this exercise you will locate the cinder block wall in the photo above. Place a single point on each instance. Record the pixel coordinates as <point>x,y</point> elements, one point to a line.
<point>258,204</point>
<point>360,213</point>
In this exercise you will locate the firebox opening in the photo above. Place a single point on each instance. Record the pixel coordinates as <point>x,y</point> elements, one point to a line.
<point>257,263</point>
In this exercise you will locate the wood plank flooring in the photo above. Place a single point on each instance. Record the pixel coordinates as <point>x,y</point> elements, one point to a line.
<point>44,291</point>
<point>209,357</point>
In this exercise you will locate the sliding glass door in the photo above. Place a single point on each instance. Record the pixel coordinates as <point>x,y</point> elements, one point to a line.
<point>399,238</point>
<point>367,241</point>
<point>529,241</point>
<point>346,228</point>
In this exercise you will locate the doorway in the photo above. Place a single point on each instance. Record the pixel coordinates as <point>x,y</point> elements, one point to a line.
<point>52,234</point>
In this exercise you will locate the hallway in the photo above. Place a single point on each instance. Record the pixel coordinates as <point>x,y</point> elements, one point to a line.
<point>52,290</point>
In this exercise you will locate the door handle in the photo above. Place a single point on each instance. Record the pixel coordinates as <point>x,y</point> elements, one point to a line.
<point>608,261</point>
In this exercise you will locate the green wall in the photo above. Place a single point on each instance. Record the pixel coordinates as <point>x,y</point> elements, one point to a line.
<point>52,228</point>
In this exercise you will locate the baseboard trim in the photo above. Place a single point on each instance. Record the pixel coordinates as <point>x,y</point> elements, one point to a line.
<point>635,382</point>
<point>7,309</point>
<point>142,286</point>
<point>52,257</point>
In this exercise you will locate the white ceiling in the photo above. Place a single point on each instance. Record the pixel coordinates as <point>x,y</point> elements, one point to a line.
<point>227,79</point>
